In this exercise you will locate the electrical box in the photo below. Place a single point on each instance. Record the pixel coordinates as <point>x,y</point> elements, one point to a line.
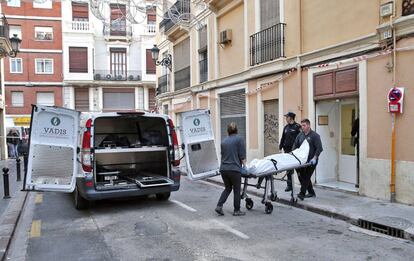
<point>395,100</point>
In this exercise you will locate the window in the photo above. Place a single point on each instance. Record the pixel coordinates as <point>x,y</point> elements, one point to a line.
<point>269,13</point>
<point>182,72</point>
<point>119,99</point>
<point>118,62</point>
<point>43,33</point>
<point>45,98</point>
<point>165,109</point>
<point>151,15</point>
<point>42,4</point>
<point>16,65</point>
<point>13,3</point>
<point>233,109</point>
<point>78,59</point>
<point>150,63</point>
<point>17,99</point>
<point>82,99</point>
<point>202,52</point>
<point>15,29</point>
<point>44,66</point>
<point>80,11</point>
<point>140,98</point>
<point>118,20</point>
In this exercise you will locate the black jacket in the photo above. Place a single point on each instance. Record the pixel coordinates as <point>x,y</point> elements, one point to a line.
<point>290,131</point>
<point>315,143</point>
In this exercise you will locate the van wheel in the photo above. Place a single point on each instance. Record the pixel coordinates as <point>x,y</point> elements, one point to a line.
<point>80,202</point>
<point>163,196</point>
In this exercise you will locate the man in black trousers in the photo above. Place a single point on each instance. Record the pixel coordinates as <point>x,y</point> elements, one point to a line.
<point>290,131</point>
<point>315,149</point>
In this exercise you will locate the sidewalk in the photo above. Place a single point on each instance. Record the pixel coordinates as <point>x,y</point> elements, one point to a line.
<point>11,208</point>
<point>346,206</point>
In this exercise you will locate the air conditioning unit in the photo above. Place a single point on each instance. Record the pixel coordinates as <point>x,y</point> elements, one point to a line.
<point>131,77</point>
<point>386,9</point>
<point>119,77</point>
<point>225,36</point>
<point>97,76</point>
<point>108,77</point>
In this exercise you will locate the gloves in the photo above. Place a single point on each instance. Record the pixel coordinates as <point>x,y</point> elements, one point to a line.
<point>243,170</point>
<point>313,162</point>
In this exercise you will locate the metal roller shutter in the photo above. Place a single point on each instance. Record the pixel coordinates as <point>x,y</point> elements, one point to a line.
<point>233,109</point>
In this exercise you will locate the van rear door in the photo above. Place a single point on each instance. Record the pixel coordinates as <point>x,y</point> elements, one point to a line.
<point>52,164</point>
<point>199,146</point>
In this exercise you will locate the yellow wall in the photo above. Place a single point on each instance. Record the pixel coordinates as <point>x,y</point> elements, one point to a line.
<point>345,20</point>
<point>271,92</point>
<point>291,94</point>
<point>253,126</point>
<point>231,56</point>
<point>194,56</point>
<point>211,54</point>
<point>203,103</point>
<point>292,32</point>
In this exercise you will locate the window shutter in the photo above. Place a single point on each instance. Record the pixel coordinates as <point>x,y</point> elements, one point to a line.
<point>203,37</point>
<point>80,11</point>
<point>269,13</point>
<point>78,59</point>
<point>182,55</point>
<point>45,98</point>
<point>119,99</point>
<point>151,16</point>
<point>150,63</point>
<point>82,99</point>
<point>233,109</point>
<point>151,99</point>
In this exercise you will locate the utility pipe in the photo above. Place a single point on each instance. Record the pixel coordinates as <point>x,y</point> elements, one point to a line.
<point>393,115</point>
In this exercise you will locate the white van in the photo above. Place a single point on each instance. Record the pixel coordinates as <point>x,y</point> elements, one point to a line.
<point>115,154</point>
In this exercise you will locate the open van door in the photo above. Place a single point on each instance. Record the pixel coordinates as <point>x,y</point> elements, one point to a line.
<point>199,146</point>
<point>52,162</point>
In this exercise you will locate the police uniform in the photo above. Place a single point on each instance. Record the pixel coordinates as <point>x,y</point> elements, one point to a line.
<point>290,132</point>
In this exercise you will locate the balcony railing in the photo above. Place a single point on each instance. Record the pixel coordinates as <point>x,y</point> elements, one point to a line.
<point>182,79</point>
<point>180,9</point>
<point>407,7</point>
<point>163,84</point>
<point>203,70</point>
<point>81,26</point>
<point>107,75</point>
<point>117,30</point>
<point>267,45</point>
<point>150,29</point>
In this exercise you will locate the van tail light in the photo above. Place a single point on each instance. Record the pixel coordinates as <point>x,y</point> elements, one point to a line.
<point>86,148</point>
<point>176,156</point>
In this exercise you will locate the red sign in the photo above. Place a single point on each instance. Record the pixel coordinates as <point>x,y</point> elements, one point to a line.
<point>394,95</point>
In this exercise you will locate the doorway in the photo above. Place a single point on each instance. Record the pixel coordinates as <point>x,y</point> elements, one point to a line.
<point>271,127</point>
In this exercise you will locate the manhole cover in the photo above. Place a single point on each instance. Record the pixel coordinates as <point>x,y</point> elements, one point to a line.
<point>396,222</point>
<point>151,228</point>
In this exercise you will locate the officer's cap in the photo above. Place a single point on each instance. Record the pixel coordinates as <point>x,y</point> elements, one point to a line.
<point>290,114</point>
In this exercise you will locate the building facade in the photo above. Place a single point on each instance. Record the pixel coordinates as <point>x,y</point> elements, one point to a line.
<point>35,76</point>
<point>107,65</point>
<point>252,61</point>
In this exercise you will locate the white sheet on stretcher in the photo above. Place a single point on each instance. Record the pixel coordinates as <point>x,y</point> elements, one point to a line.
<point>283,160</point>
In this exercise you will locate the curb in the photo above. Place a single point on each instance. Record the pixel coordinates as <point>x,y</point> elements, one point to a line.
<point>9,222</point>
<point>408,233</point>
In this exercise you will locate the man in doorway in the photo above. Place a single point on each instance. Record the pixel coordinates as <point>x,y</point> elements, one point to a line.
<point>290,131</point>
<point>315,149</point>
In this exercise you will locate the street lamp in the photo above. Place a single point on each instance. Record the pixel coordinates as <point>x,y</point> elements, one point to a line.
<point>166,61</point>
<point>15,44</point>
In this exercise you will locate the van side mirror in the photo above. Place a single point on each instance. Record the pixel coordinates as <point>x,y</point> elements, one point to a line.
<point>183,146</point>
<point>78,150</point>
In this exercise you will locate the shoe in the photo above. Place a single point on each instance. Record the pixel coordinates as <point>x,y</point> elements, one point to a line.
<point>219,210</point>
<point>301,196</point>
<point>310,195</point>
<point>238,213</point>
<point>287,189</point>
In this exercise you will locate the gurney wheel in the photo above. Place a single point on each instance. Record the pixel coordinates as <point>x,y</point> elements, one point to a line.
<point>268,208</point>
<point>273,197</point>
<point>249,203</point>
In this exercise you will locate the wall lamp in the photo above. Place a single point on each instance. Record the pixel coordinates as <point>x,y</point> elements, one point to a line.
<point>166,61</point>
<point>15,45</point>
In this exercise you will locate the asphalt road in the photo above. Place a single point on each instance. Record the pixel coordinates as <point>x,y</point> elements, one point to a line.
<point>187,228</point>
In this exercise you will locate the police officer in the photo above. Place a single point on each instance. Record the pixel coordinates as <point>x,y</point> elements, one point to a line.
<point>315,149</point>
<point>290,131</point>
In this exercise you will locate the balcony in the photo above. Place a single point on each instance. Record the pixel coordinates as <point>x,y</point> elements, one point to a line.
<point>150,29</point>
<point>203,64</point>
<point>107,75</point>
<point>163,84</point>
<point>5,45</point>
<point>217,5</point>
<point>180,11</point>
<point>182,79</point>
<point>407,7</point>
<point>117,32</point>
<point>79,26</point>
<point>267,45</point>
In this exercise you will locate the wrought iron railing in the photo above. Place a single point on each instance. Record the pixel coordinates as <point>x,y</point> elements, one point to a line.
<point>117,30</point>
<point>203,70</point>
<point>179,11</point>
<point>4,27</point>
<point>182,79</point>
<point>407,7</point>
<point>163,84</point>
<point>267,45</point>
<point>108,75</point>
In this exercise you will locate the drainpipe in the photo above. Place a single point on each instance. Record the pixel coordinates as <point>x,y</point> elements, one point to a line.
<point>393,115</point>
<point>298,66</point>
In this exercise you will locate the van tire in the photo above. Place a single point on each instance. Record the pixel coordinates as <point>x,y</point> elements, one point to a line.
<point>80,202</point>
<point>163,196</point>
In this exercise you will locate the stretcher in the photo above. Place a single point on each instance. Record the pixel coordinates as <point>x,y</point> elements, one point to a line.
<point>269,193</point>
<point>268,169</point>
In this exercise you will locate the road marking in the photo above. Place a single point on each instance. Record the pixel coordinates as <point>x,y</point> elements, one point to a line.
<point>231,230</point>
<point>181,204</point>
<point>38,198</point>
<point>36,227</point>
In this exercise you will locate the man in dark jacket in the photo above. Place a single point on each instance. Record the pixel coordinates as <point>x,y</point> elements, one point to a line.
<point>290,131</point>
<point>315,149</point>
<point>233,157</point>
